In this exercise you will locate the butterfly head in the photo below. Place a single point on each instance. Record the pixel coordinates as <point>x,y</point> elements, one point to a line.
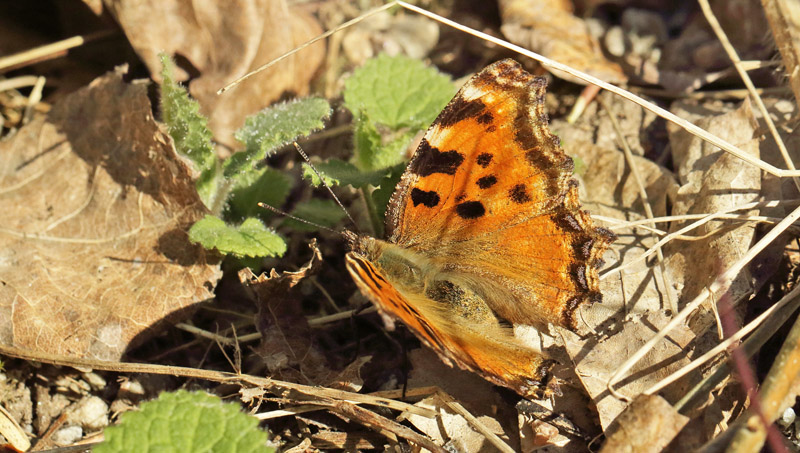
<point>366,246</point>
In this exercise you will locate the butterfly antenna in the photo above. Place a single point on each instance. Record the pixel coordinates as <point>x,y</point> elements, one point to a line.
<point>322,180</point>
<point>286,214</point>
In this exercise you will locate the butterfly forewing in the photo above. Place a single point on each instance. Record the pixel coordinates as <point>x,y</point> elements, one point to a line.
<point>489,192</point>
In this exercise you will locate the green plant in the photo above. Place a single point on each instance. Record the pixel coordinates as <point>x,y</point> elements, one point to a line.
<point>391,98</point>
<point>185,421</point>
<point>231,189</point>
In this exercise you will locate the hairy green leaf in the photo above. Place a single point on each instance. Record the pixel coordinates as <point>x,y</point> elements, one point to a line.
<point>398,92</point>
<point>274,127</point>
<point>185,422</point>
<point>185,124</point>
<point>265,185</point>
<point>340,173</point>
<point>383,193</point>
<point>251,238</point>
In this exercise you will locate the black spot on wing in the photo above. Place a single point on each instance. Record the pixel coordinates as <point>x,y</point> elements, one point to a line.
<point>430,160</point>
<point>519,194</point>
<point>484,159</point>
<point>485,118</point>
<point>460,109</point>
<point>426,198</point>
<point>486,182</point>
<point>470,210</point>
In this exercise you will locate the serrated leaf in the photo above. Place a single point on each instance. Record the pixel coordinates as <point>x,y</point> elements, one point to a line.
<point>265,185</point>
<point>340,173</point>
<point>274,127</point>
<point>187,127</point>
<point>398,92</point>
<point>185,421</point>
<point>322,212</point>
<point>251,238</point>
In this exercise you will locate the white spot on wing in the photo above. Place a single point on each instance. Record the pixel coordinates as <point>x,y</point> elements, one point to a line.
<point>471,92</point>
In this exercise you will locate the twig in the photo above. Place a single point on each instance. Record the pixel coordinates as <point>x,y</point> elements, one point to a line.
<point>271,385</point>
<point>790,301</point>
<point>47,51</point>
<point>737,63</point>
<point>689,127</point>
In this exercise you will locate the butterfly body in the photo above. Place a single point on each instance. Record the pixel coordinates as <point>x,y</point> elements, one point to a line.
<point>485,229</point>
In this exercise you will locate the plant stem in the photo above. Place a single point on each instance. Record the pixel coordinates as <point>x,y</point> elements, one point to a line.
<point>377,225</point>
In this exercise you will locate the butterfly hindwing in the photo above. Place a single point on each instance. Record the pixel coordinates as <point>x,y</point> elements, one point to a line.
<point>490,350</point>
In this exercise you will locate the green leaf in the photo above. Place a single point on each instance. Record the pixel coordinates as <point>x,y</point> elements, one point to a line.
<point>187,127</point>
<point>340,173</point>
<point>382,194</point>
<point>375,151</point>
<point>398,92</point>
<point>274,127</point>
<point>185,421</point>
<point>209,186</point>
<point>322,212</point>
<point>251,238</point>
<point>265,185</point>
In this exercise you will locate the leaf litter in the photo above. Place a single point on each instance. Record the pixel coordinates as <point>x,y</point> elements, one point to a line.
<point>636,303</point>
<point>95,251</point>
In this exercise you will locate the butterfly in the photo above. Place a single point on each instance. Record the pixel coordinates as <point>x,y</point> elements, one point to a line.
<point>485,229</point>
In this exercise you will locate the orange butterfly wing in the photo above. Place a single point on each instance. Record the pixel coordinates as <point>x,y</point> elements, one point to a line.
<point>485,226</point>
<point>489,194</point>
<point>490,351</point>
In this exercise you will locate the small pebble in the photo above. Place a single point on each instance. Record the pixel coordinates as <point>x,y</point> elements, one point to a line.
<point>95,380</point>
<point>787,418</point>
<point>91,413</point>
<point>67,435</point>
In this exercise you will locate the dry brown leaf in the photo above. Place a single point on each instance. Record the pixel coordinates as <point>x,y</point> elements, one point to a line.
<point>95,254</point>
<point>469,389</point>
<point>451,429</point>
<point>712,180</point>
<point>550,28</point>
<point>632,308</point>
<point>597,359</point>
<point>648,425</point>
<point>222,42</point>
<point>286,346</point>
<point>634,302</point>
